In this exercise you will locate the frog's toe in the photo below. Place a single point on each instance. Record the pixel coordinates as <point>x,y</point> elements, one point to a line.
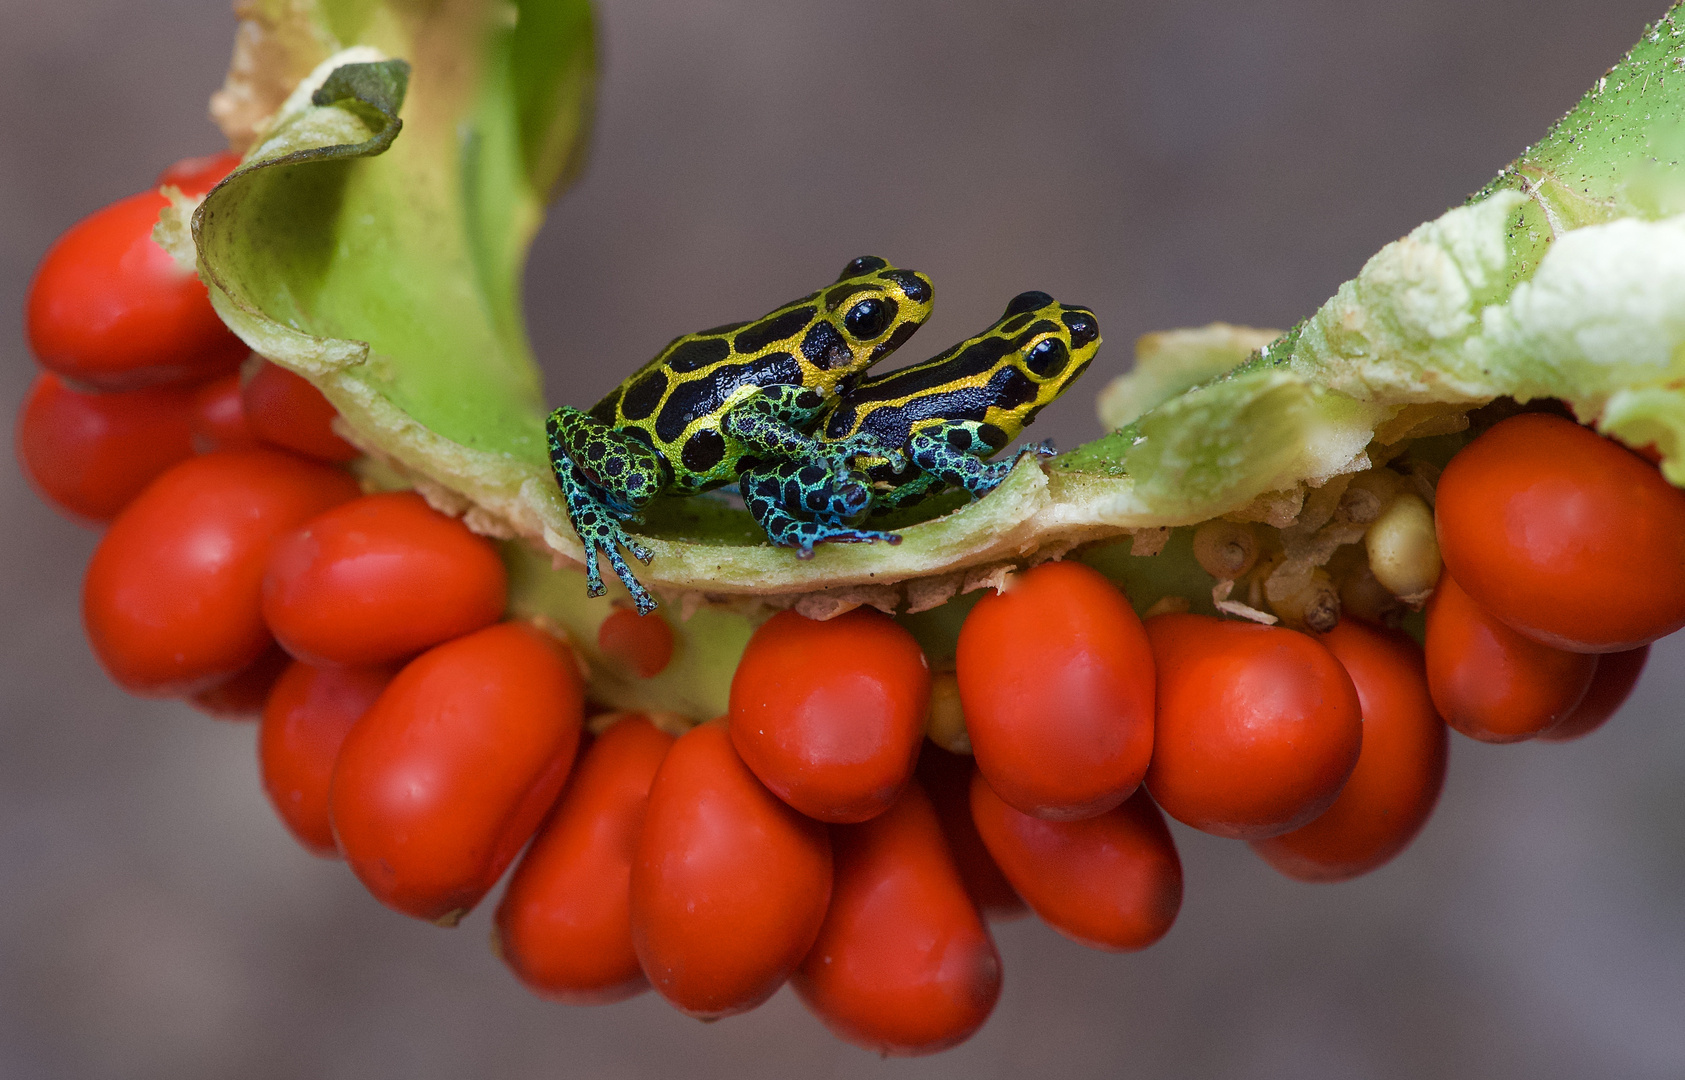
<point>1040,449</point>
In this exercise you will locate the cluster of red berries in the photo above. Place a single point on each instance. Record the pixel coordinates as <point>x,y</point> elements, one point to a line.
<point>813,835</point>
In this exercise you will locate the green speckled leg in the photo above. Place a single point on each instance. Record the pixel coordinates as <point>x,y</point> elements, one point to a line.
<point>606,477</point>
<point>907,493</point>
<point>802,505</point>
<point>950,454</point>
<point>777,422</point>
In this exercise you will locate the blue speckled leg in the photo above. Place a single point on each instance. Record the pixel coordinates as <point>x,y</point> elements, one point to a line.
<point>951,455</point>
<point>802,505</point>
<point>777,423</point>
<point>606,477</point>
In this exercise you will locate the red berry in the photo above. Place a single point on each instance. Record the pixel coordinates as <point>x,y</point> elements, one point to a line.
<point>443,781</point>
<point>1258,727</point>
<point>172,597</point>
<point>565,923</point>
<point>110,309</point>
<point>197,175</point>
<point>219,417</point>
<point>1617,673</point>
<point>729,885</point>
<point>641,643</point>
<point>1487,680</point>
<point>1111,882</point>
<point>91,454</point>
<point>830,715</point>
<point>903,964</point>
<point>1400,769</point>
<point>1565,536</point>
<point>1056,681</point>
<point>242,695</point>
<point>946,778</point>
<point>305,721</point>
<point>283,409</point>
<point>379,579</point>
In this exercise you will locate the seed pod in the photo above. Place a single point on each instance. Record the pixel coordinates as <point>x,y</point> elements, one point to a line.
<point>945,726</point>
<point>1366,496</point>
<point>1314,605</point>
<point>1403,551</point>
<point>1225,549</point>
<point>1361,595</point>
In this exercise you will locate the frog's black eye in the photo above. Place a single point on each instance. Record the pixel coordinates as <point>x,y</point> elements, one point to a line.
<point>869,318</point>
<point>1082,325</point>
<point>865,264</point>
<point>1027,301</point>
<point>1048,358</point>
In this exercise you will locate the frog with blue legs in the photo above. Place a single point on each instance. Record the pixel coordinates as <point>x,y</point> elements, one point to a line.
<point>714,402</point>
<point>947,415</point>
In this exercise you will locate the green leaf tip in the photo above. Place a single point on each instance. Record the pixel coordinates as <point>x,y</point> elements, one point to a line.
<point>374,90</point>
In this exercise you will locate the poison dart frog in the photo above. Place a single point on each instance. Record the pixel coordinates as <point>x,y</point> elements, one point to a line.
<point>948,415</point>
<point>714,402</point>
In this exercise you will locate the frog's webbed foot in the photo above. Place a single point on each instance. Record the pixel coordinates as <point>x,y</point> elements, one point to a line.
<point>599,529</point>
<point>802,505</point>
<point>949,454</point>
<point>843,455</point>
<point>805,488</point>
<point>607,477</point>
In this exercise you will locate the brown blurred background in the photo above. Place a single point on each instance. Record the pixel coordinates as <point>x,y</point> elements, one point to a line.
<point>1166,163</point>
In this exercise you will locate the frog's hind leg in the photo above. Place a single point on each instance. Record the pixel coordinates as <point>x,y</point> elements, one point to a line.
<point>954,453</point>
<point>801,505</point>
<point>776,423</point>
<point>606,476</point>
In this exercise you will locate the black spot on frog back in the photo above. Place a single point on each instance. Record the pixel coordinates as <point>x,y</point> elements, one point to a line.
<point>698,353</point>
<point>644,395</point>
<point>775,328</point>
<point>706,393</point>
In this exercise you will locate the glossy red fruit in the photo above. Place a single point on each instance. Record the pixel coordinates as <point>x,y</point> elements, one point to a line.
<point>1491,683</point>
<point>171,598</point>
<point>565,923</point>
<point>729,884</point>
<point>285,410</point>
<point>91,454</point>
<point>1399,772</point>
<point>1616,675</point>
<point>1056,681</point>
<point>1565,536</point>
<point>946,778</point>
<point>110,309</point>
<point>1111,882</point>
<point>379,579</point>
<point>903,964</point>
<point>305,721</point>
<point>830,715</point>
<point>241,697</point>
<point>219,417</point>
<point>1258,727</point>
<point>197,175</point>
<point>448,775</point>
<point>643,644</point>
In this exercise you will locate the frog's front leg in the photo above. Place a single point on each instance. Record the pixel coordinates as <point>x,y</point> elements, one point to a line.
<point>792,502</point>
<point>953,454</point>
<point>776,423</point>
<point>606,477</point>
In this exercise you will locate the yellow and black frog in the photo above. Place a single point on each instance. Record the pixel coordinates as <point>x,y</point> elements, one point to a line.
<point>716,401</point>
<point>947,416</point>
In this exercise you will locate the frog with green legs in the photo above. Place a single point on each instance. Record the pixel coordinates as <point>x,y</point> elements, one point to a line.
<point>716,401</point>
<point>947,416</point>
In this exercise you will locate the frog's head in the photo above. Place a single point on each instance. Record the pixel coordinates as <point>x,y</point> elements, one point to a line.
<point>869,313</point>
<point>1054,342</point>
